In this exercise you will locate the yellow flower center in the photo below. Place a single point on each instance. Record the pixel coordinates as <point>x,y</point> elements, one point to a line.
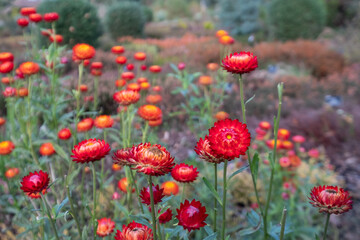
<point>228,136</point>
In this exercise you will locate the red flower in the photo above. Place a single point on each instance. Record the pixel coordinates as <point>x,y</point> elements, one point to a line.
<point>229,138</point>
<point>205,152</point>
<point>6,56</point>
<point>51,17</point>
<point>26,11</point>
<point>127,76</point>
<point>2,121</point>
<point>149,112</point>
<point>9,92</point>
<point>104,121</point>
<point>191,215</point>
<point>143,67</point>
<point>130,66</point>
<point>283,134</point>
<point>124,157</point>
<point>6,147</point>
<point>90,150</point>
<point>152,160</point>
<point>155,69</point>
<point>265,125</point>
<point>23,22</point>
<point>83,51</point>
<point>120,83</point>
<point>121,60</point>
<point>140,56</point>
<point>155,123</point>
<point>134,231</point>
<point>29,68</point>
<point>330,199</point>
<point>154,99</point>
<point>35,182</point>
<point>57,38</point>
<point>35,17</point>
<point>85,125</point>
<point>118,49</point>
<point>64,134</point>
<point>126,97</point>
<point>11,173</point>
<point>170,187</point>
<point>184,173</point>
<point>105,227</point>
<point>181,66</point>
<point>165,216</point>
<point>133,87</point>
<point>239,63</point>
<point>6,67</point>
<point>22,92</point>
<point>47,149</point>
<point>157,191</point>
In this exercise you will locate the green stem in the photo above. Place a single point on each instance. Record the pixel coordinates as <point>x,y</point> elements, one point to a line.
<point>145,132</point>
<point>96,92</point>
<point>152,208</point>
<point>102,166</point>
<point>283,221</point>
<point>183,192</point>
<point>215,201</point>
<point>49,216</point>
<point>94,198</point>
<point>77,97</point>
<point>224,202</point>
<point>326,225</point>
<point>136,190</point>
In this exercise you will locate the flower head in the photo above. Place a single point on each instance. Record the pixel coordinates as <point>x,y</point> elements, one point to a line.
<point>90,150</point>
<point>155,69</point>
<point>51,17</point>
<point>29,68</point>
<point>154,99</point>
<point>105,227</point>
<point>104,121</point>
<point>121,60</point>
<point>83,51</point>
<point>47,149</point>
<point>35,17</point>
<point>120,83</point>
<point>130,66</point>
<point>165,216</point>
<point>140,56</point>
<point>152,160</point>
<point>157,191</point>
<point>126,97</point>
<point>6,147</point>
<point>283,134</point>
<point>170,187</point>
<point>205,80</point>
<point>124,157</point>
<point>23,22</point>
<point>184,173</point>
<point>226,40</point>
<point>85,125</point>
<point>181,66</point>
<point>128,76</point>
<point>6,67</point>
<point>6,56</point>
<point>149,112</point>
<point>221,115</point>
<point>118,49</point>
<point>239,63</point>
<point>134,231</point>
<point>56,38</point>
<point>229,138</point>
<point>26,11</point>
<point>133,87</point>
<point>212,66</point>
<point>35,182</point>
<point>330,199</point>
<point>123,185</point>
<point>64,134</point>
<point>2,121</point>
<point>298,139</point>
<point>191,215</point>
<point>12,172</point>
<point>205,152</point>
<point>221,33</point>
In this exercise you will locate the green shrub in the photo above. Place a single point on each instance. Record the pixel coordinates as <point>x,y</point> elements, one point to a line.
<point>78,21</point>
<point>125,19</point>
<point>149,16</point>
<point>292,19</point>
<point>239,16</point>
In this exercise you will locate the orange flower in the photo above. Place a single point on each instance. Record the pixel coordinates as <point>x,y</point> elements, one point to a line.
<point>35,17</point>
<point>330,199</point>
<point>85,125</point>
<point>123,185</point>
<point>12,172</point>
<point>90,150</point>
<point>83,51</point>
<point>287,145</point>
<point>26,11</point>
<point>22,92</point>
<point>265,125</point>
<point>221,115</point>
<point>239,63</point>
<point>226,40</point>
<point>284,162</point>
<point>116,167</point>
<point>118,49</point>
<point>154,99</point>
<point>205,80</point>
<point>47,149</point>
<point>141,80</point>
<point>6,147</point>
<point>150,112</point>
<point>64,134</point>
<point>7,80</point>
<point>120,83</point>
<point>221,33</point>
<point>295,161</point>
<point>283,134</point>
<point>133,87</point>
<point>105,227</point>
<point>152,160</point>
<point>104,121</point>
<point>2,121</point>
<point>29,68</point>
<point>140,56</point>
<point>121,60</point>
<point>212,66</point>
<point>95,72</point>
<point>170,187</point>
<point>155,69</point>
<point>6,56</point>
<point>6,67</point>
<point>83,88</point>
<point>57,38</point>
<point>271,144</point>
<point>126,97</point>
<point>127,76</point>
<point>144,85</point>
<point>155,123</point>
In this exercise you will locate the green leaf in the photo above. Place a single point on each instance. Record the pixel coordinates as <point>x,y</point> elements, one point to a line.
<point>175,231</point>
<point>212,190</point>
<point>255,166</point>
<point>60,151</point>
<point>62,204</point>
<point>237,172</point>
<point>211,237</point>
<point>250,99</point>
<point>85,233</point>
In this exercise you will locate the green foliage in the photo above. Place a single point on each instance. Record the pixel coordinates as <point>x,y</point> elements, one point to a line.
<point>78,21</point>
<point>240,16</point>
<point>149,16</point>
<point>292,19</point>
<point>177,8</point>
<point>125,19</point>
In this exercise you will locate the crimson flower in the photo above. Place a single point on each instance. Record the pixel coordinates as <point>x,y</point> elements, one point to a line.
<point>157,191</point>
<point>35,182</point>
<point>165,216</point>
<point>124,157</point>
<point>239,63</point>
<point>105,227</point>
<point>184,173</point>
<point>90,150</point>
<point>330,199</point>
<point>134,231</point>
<point>205,152</point>
<point>191,215</point>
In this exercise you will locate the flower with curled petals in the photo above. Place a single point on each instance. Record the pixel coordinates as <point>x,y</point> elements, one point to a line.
<point>105,227</point>
<point>83,51</point>
<point>124,157</point>
<point>239,63</point>
<point>184,173</point>
<point>90,150</point>
<point>35,182</point>
<point>126,97</point>
<point>149,112</point>
<point>29,68</point>
<point>330,199</point>
<point>229,138</point>
<point>157,191</point>
<point>152,160</point>
<point>205,152</point>
<point>192,215</point>
<point>134,231</point>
